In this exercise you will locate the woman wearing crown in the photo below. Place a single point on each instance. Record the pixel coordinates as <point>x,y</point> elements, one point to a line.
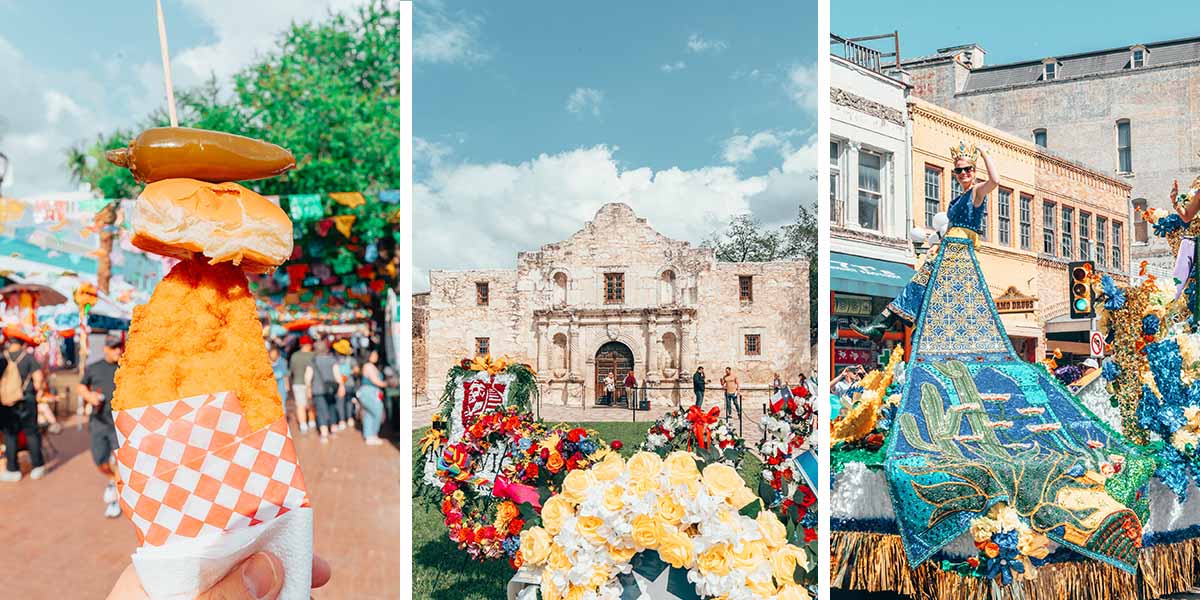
<point>966,221</point>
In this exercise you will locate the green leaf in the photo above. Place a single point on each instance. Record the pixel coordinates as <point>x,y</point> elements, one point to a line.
<point>752,509</point>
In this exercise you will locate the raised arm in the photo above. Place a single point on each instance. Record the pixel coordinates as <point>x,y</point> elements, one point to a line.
<point>983,188</point>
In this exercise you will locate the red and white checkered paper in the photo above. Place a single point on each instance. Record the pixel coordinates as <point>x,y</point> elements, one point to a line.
<point>192,467</point>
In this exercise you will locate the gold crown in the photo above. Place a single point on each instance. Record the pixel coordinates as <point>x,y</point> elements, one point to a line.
<point>965,152</point>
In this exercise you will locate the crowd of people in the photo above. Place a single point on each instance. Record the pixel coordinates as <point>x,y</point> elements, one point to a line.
<point>333,386</point>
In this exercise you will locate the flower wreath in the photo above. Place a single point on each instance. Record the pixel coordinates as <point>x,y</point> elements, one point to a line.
<point>788,426</point>
<point>522,390</point>
<point>668,512</point>
<point>485,516</point>
<point>704,433</point>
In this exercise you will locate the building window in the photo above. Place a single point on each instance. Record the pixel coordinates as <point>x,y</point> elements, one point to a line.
<point>986,220</point>
<point>1039,137</point>
<point>614,288</point>
<point>481,293</point>
<point>1085,234</point>
<point>1004,214</point>
<point>955,187</point>
<point>1124,147</point>
<point>1068,235</point>
<point>1048,218</point>
<point>1141,233</point>
<point>746,288</point>
<point>870,189</point>
<point>1101,239</point>
<point>836,204</point>
<point>1050,70</point>
<point>1026,220</point>
<point>933,194</point>
<point>483,346</point>
<point>1117,242</point>
<point>1137,58</point>
<point>753,344</point>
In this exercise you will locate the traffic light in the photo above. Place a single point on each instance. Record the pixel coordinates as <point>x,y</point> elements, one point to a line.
<point>1079,292</point>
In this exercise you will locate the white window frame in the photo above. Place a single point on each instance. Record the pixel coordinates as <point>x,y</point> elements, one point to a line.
<point>1129,149</point>
<point>1004,220</point>
<point>1133,57</point>
<point>837,188</point>
<point>1045,137</point>
<point>1051,69</point>
<point>881,203</point>
<point>1101,254</point>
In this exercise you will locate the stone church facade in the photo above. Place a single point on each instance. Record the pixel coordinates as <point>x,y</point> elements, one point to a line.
<point>619,296</point>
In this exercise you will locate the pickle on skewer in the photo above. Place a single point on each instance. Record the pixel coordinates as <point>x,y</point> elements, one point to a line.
<point>213,156</point>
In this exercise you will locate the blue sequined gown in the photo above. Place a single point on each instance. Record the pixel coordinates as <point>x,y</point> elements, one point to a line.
<point>963,214</point>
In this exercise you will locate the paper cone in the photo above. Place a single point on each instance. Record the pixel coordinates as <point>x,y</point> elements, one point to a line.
<point>204,492</point>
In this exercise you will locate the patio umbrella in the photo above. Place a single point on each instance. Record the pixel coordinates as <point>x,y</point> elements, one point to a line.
<point>44,295</point>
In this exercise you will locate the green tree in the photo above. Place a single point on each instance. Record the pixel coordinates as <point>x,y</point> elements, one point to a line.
<point>745,241</point>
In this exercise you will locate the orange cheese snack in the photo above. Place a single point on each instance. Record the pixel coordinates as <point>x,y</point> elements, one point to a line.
<point>199,334</point>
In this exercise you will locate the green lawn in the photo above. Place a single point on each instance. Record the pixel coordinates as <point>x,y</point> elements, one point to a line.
<point>443,572</point>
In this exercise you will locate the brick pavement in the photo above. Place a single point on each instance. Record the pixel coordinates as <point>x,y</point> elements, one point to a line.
<point>54,537</point>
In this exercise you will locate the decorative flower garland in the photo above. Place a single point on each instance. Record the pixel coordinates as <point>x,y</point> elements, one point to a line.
<point>788,429</point>
<point>705,433</point>
<point>1007,547</point>
<point>485,513</point>
<point>706,523</point>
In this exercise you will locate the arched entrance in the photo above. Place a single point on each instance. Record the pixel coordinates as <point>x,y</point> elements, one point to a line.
<point>617,358</point>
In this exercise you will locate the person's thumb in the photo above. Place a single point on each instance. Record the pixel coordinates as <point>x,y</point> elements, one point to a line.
<point>259,577</point>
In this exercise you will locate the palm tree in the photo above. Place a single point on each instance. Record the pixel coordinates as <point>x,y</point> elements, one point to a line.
<point>88,165</point>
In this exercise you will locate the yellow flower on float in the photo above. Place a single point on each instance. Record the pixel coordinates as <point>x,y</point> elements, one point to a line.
<point>621,555</point>
<point>774,533</point>
<point>535,545</point>
<point>646,532</point>
<point>715,561</point>
<point>741,497</point>
<point>576,484</point>
<point>676,549</point>
<point>644,466</point>
<point>558,559</point>
<point>783,566</point>
<point>609,468</point>
<point>554,511</point>
<point>669,509</point>
<point>587,526</point>
<point>681,468</point>
<point>749,554</point>
<point>722,480</point>
<point>612,498</point>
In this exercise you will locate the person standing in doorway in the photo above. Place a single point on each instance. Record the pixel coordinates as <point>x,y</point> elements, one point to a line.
<point>610,387</point>
<point>698,385</point>
<point>300,362</point>
<point>630,388</point>
<point>24,374</point>
<point>97,388</point>
<point>733,388</point>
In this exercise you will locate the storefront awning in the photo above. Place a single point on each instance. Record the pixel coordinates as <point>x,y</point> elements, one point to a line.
<point>851,274</point>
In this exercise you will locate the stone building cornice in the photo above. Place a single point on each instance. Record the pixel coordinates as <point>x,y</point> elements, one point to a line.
<point>866,106</point>
<point>606,314</point>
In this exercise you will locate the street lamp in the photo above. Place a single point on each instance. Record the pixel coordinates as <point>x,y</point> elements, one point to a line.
<point>920,239</point>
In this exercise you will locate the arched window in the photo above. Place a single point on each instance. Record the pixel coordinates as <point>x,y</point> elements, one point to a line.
<point>560,288</point>
<point>670,355</point>
<point>559,358</point>
<point>666,288</point>
<point>1140,233</point>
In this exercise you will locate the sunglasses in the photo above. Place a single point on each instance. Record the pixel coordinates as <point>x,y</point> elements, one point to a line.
<point>961,170</point>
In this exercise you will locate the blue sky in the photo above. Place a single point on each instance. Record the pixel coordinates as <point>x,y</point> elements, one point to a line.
<point>1016,30</point>
<point>688,111</point>
<point>69,70</point>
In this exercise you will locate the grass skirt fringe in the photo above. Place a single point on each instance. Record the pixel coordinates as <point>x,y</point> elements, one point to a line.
<point>876,562</point>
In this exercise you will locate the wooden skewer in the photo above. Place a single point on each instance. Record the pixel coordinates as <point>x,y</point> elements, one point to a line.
<point>166,61</point>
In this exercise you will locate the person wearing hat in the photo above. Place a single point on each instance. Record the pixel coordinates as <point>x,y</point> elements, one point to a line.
<point>324,388</point>
<point>346,367</point>
<point>97,388</point>
<point>22,416</point>
<point>1090,365</point>
<point>298,366</point>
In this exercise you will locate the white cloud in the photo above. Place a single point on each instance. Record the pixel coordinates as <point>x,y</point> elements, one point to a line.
<point>440,36</point>
<point>472,215</point>
<point>697,44</point>
<point>741,148</point>
<point>585,100</point>
<point>430,152</point>
<point>678,65</point>
<point>801,86</point>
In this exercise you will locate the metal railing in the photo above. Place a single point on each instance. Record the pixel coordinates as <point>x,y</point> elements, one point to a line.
<point>857,52</point>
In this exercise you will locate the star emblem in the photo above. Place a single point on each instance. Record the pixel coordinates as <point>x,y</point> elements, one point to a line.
<point>653,579</point>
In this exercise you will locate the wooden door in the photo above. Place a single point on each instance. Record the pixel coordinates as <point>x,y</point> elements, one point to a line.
<point>613,357</point>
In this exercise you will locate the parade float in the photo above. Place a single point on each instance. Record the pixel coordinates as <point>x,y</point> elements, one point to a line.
<point>1004,483</point>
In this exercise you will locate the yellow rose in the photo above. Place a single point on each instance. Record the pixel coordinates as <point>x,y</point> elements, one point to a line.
<point>669,509</point>
<point>576,485</point>
<point>792,592</point>
<point>749,555</point>
<point>1034,545</point>
<point>681,467</point>
<point>587,527</point>
<point>554,511</point>
<point>549,590</point>
<point>741,497</point>
<point>784,562</point>
<point>646,532</point>
<point>535,545</point>
<point>715,561</point>
<point>506,512</point>
<point>610,468</point>
<point>722,480</point>
<point>675,547</point>
<point>644,466</point>
<point>774,533</point>
<point>575,593</point>
<point>762,588</point>
<point>558,559</point>
<point>621,555</point>
<point>612,498</point>
<point>641,487</point>
<point>599,576</point>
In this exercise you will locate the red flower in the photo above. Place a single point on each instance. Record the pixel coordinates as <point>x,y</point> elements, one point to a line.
<point>545,453</point>
<point>515,526</point>
<point>466,535</point>
<point>487,533</point>
<point>808,498</point>
<point>616,445</point>
<point>973,561</point>
<point>576,434</point>
<point>809,535</point>
<point>531,471</point>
